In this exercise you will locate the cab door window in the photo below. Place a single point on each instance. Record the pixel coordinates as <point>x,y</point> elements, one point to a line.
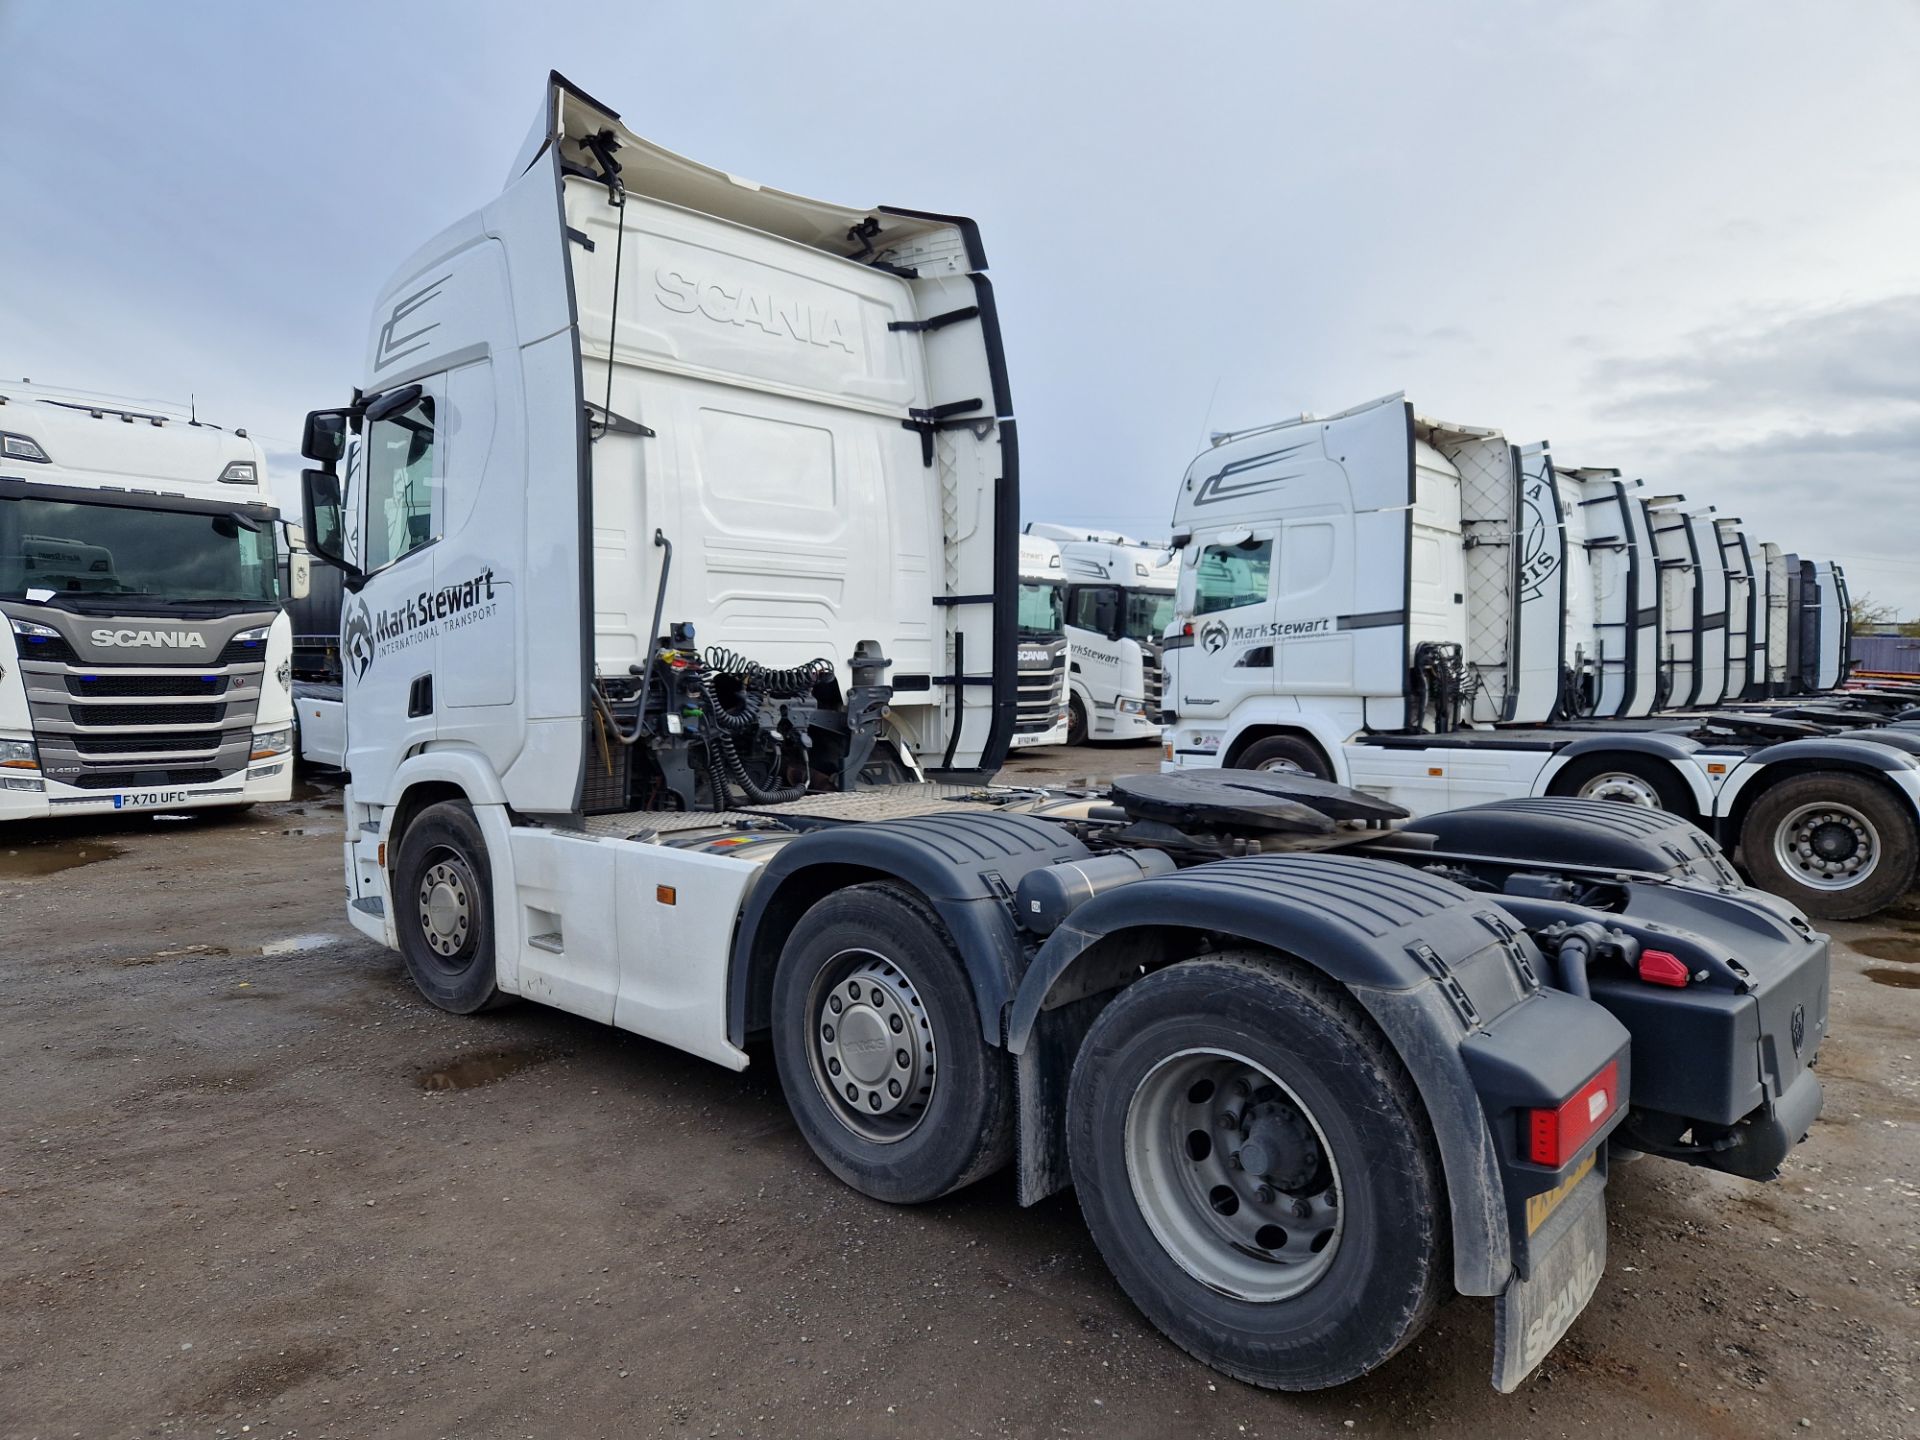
<point>1229,576</point>
<point>403,484</point>
<point>1095,608</point>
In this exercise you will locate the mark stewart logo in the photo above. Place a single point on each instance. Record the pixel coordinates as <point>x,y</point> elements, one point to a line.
<point>1217,634</point>
<point>365,634</point>
<point>1213,636</point>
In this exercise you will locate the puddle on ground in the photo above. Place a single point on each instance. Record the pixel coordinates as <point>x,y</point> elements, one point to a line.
<point>1903,948</point>
<point>294,944</point>
<point>30,862</point>
<point>478,1070</point>
<point>1899,979</point>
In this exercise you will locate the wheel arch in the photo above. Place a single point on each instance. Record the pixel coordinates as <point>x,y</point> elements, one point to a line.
<point>1674,751</point>
<point>965,865</point>
<point>1115,938</point>
<point>1253,734</point>
<point>1759,774</point>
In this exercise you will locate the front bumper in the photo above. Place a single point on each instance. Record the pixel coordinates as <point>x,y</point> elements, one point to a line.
<point>270,780</point>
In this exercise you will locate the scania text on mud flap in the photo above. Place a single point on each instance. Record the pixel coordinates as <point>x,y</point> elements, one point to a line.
<point>700,752</point>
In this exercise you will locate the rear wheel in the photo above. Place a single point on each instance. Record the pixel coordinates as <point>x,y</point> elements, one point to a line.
<point>1626,780</point>
<point>1256,1168</point>
<point>1287,753</point>
<point>1839,846</point>
<point>880,1052</point>
<point>443,908</point>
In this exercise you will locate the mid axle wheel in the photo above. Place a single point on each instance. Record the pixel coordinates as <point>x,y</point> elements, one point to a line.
<point>874,1053</point>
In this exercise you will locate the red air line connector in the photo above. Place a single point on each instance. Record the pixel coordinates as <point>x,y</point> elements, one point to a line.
<point>1553,1137</point>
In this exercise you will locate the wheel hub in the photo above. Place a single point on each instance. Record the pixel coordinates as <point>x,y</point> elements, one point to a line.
<point>1827,846</point>
<point>873,1045</point>
<point>1622,789</point>
<point>446,912</point>
<point>1233,1176</point>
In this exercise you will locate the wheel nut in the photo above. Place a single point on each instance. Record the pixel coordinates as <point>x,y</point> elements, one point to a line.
<point>826,1033</point>
<point>902,1059</point>
<point>834,1005</point>
<point>893,1088</point>
<point>1301,1209</point>
<point>833,1066</point>
<point>852,1093</point>
<point>896,1024</point>
<point>1264,1194</point>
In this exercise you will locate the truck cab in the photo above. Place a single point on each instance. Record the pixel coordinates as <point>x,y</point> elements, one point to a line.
<point>1044,654</point>
<point>144,660</point>
<point>1119,600</point>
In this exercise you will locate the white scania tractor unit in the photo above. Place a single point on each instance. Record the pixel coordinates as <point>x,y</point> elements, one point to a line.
<point>1119,600</point>
<point>682,569</point>
<point>1041,718</point>
<point>144,658</point>
<point>1375,598</point>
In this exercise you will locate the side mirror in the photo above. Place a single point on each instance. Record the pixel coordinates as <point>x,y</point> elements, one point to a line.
<point>299,575</point>
<point>326,530</point>
<point>324,440</point>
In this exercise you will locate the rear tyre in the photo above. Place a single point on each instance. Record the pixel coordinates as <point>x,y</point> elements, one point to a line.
<point>443,909</point>
<point>1839,846</point>
<point>1258,1172</point>
<point>1287,753</point>
<point>1076,721</point>
<point>878,1043</point>
<point>1625,780</point>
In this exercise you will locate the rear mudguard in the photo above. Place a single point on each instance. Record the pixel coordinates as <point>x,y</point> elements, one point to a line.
<point>1549,831</point>
<point>1440,969</point>
<point>966,863</point>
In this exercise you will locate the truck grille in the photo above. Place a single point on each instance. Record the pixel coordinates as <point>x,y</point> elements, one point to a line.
<point>1150,664</point>
<point>96,715</point>
<point>119,686</point>
<point>145,744</point>
<point>195,726</point>
<point>1041,695</point>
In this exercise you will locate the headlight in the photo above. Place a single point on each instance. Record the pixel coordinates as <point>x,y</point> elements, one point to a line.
<point>34,631</point>
<point>269,743</point>
<point>255,636</point>
<point>1130,707</point>
<point>18,755</point>
<point>19,447</point>
<point>240,472</point>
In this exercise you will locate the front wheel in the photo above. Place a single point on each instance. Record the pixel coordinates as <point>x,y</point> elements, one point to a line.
<point>443,908</point>
<point>1625,780</point>
<point>1258,1172</point>
<point>1076,721</point>
<point>1839,846</point>
<point>878,1042</point>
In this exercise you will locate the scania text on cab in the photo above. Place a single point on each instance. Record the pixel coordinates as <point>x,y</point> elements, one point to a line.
<point>701,750</point>
<point>144,659</point>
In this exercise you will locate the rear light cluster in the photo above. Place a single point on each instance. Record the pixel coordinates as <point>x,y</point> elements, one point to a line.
<point>1554,1137</point>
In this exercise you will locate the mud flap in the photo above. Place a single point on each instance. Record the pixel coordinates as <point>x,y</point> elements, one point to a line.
<point>1569,1256</point>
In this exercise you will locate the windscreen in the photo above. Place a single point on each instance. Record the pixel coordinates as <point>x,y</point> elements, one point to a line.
<point>1043,610</point>
<point>1148,613</point>
<point>81,550</point>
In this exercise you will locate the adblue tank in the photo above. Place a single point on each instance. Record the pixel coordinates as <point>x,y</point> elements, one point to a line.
<point>1047,896</point>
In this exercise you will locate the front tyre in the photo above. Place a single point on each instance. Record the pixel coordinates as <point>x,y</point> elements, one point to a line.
<point>1076,721</point>
<point>1838,845</point>
<point>443,908</point>
<point>877,1039</point>
<point>1257,1170</point>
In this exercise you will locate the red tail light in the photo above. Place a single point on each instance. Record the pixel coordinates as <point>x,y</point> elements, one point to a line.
<point>1553,1137</point>
<point>1657,967</point>
<point>1187,629</point>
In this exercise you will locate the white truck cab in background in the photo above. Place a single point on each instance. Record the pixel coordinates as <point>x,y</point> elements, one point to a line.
<point>1042,716</point>
<point>144,659</point>
<point>1381,599</point>
<point>1119,600</point>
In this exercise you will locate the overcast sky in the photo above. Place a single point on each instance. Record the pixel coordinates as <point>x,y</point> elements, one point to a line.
<point>1679,239</point>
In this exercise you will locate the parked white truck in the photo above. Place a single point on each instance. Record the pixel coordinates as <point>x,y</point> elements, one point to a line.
<point>1375,598</point>
<point>682,564</point>
<point>1119,600</point>
<point>1041,718</point>
<point>144,662</point>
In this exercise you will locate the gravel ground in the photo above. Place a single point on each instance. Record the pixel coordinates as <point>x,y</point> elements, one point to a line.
<point>251,1184</point>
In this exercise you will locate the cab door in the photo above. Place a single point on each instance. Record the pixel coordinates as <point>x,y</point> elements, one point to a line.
<point>388,642</point>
